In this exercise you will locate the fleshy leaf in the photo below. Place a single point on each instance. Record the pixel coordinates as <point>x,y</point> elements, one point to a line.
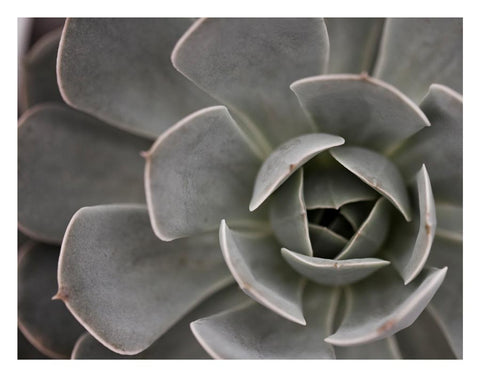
<point>119,70</point>
<point>356,213</point>
<point>198,172</point>
<point>363,110</point>
<point>411,242</point>
<point>378,172</point>
<point>368,239</point>
<point>414,52</point>
<point>26,350</point>
<point>248,65</point>
<point>353,43</point>
<point>449,221</point>
<point>381,305</point>
<point>333,188</point>
<point>288,215</point>
<point>332,272</point>
<point>423,340</point>
<point>285,160</point>
<point>439,147</point>
<point>447,305</point>
<point>256,264</point>
<point>381,349</point>
<point>325,242</point>
<point>39,80</point>
<point>254,332</point>
<point>176,343</point>
<point>117,277</point>
<point>46,324</point>
<point>67,160</point>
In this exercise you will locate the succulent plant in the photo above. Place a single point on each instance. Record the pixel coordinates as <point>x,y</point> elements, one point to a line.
<point>298,193</point>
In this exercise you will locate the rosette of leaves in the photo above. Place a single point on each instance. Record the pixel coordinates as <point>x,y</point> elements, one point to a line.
<point>315,164</point>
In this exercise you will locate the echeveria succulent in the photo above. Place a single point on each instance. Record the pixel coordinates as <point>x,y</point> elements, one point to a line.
<point>314,164</point>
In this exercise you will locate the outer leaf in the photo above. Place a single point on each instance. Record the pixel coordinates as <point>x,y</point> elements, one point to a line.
<point>332,272</point>
<point>253,332</point>
<point>381,349</point>
<point>46,324</point>
<point>353,43</point>
<point>125,285</point>
<point>415,52</point>
<point>39,80</point>
<point>447,305</point>
<point>333,188</point>
<point>26,350</point>
<point>363,110</point>
<point>255,262</point>
<point>368,239</point>
<point>198,172</point>
<point>288,215</point>
<point>439,147</point>
<point>411,242</point>
<point>424,340</point>
<point>67,160</point>
<point>119,70</point>
<point>176,343</point>
<point>325,242</point>
<point>378,172</point>
<point>248,64</point>
<point>285,160</point>
<point>396,306</point>
<point>449,222</point>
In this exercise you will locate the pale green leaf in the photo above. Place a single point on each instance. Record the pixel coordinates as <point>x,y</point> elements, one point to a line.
<point>325,242</point>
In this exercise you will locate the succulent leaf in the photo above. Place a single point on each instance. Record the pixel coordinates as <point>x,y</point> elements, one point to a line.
<point>125,285</point>
<point>381,305</point>
<point>201,169</point>
<point>363,110</point>
<point>447,305</point>
<point>411,242</point>
<point>378,172</point>
<point>356,213</point>
<point>67,160</point>
<point>381,349</point>
<point>176,343</point>
<point>39,80</point>
<point>449,221</point>
<point>332,272</point>
<point>325,242</point>
<point>353,43</point>
<point>288,215</point>
<point>251,74</point>
<point>444,108</point>
<point>119,71</point>
<point>47,324</point>
<point>256,264</point>
<point>415,52</point>
<point>285,160</point>
<point>254,332</point>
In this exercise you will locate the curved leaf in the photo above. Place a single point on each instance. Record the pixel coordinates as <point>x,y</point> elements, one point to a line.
<point>119,70</point>
<point>356,213</point>
<point>253,332</point>
<point>447,305</point>
<point>332,272</point>
<point>368,239</point>
<point>353,43</point>
<point>67,160</point>
<point>396,305</point>
<point>378,172</point>
<point>249,63</point>
<point>363,110</point>
<point>325,242</point>
<point>125,285</point>
<point>439,147</point>
<point>414,52</point>
<point>176,343</point>
<point>39,77</point>
<point>255,262</point>
<point>411,242</point>
<point>285,160</point>
<point>46,324</point>
<point>449,222</point>
<point>333,188</point>
<point>26,350</point>
<point>381,349</point>
<point>200,171</point>
<point>288,215</point>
